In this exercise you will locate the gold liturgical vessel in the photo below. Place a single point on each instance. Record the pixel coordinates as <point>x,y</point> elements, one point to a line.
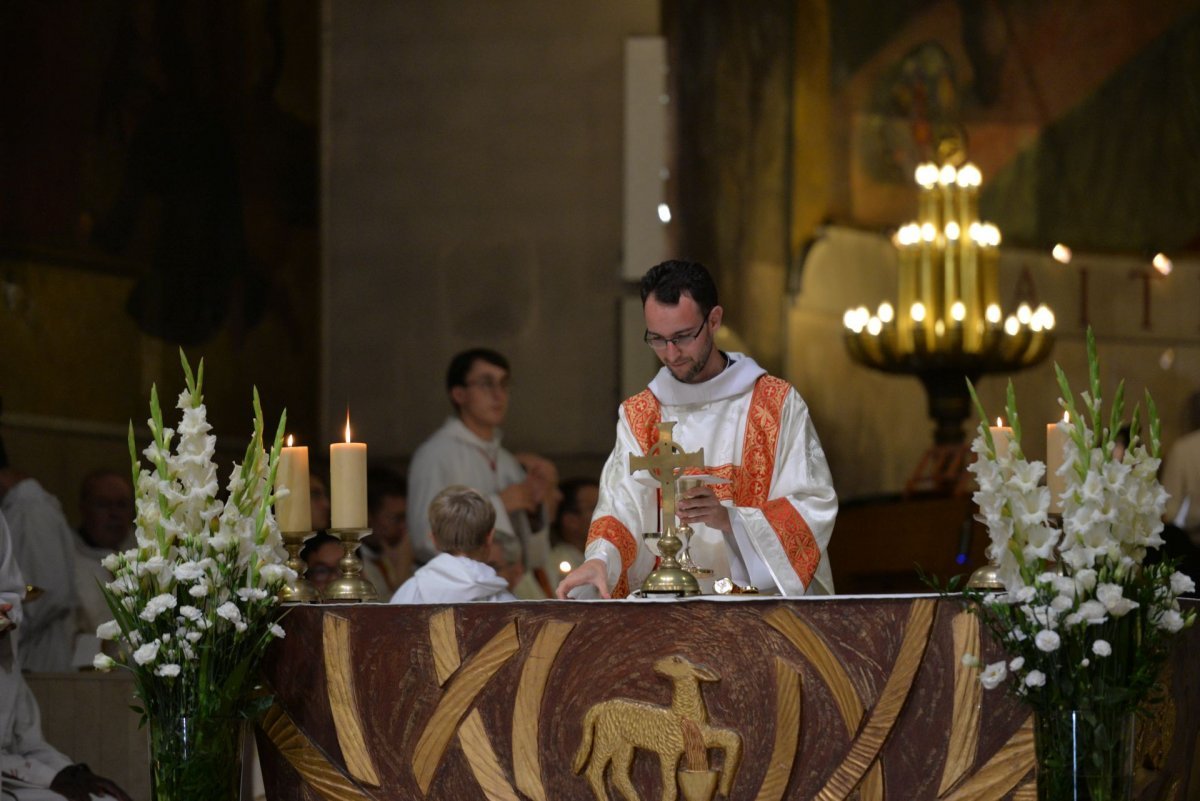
<point>665,462</point>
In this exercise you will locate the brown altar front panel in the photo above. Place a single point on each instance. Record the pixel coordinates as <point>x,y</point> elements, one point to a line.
<point>759,699</point>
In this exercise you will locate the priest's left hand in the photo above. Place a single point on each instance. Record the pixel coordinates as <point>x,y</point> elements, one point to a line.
<point>701,505</point>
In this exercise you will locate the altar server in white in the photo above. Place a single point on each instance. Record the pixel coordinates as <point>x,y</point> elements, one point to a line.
<point>462,522</point>
<point>768,512</point>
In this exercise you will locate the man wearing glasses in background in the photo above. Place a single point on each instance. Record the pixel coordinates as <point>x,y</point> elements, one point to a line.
<point>767,514</point>
<point>466,450</point>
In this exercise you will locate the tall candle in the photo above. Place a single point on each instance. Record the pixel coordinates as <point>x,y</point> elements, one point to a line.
<point>1001,438</point>
<point>1056,441</point>
<point>348,482</point>
<point>293,512</point>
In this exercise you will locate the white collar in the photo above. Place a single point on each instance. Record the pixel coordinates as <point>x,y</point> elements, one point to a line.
<point>736,379</point>
<point>458,429</point>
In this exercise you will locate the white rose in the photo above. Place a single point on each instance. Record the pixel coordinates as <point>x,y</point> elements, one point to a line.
<point>103,662</point>
<point>1035,678</point>
<point>1047,641</point>
<point>1101,648</point>
<point>108,630</point>
<point>992,675</point>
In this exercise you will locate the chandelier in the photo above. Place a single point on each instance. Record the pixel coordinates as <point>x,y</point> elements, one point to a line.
<point>948,324</point>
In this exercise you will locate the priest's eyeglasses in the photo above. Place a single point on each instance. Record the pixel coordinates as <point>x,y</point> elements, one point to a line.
<point>680,341</point>
<point>488,385</point>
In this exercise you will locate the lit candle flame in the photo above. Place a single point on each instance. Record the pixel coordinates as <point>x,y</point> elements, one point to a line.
<point>1061,254</point>
<point>290,440</point>
<point>999,422</point>
<point>1066,417</point>
<point>348,427</point>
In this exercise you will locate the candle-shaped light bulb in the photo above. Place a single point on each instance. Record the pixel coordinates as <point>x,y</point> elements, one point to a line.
<point>958,311</point>
<point>918,312</point>
<point>874,326</point>
<point>953,231</point>
<point>993,313</point>
<point>1011,326</point>
<point>1061,254</point>
<point>886,312</point>
<point>946,176</point>
<point>928,232</point>
<point>1162,264</point>
<point>1024,314</point>
<point>849,319</point>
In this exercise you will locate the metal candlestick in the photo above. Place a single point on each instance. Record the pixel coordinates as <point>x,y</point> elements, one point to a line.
<point>300,590</point>
<point>351,586</point>
<point>685,534</point>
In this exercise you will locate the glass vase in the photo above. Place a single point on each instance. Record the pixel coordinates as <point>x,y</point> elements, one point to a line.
<point>1084,754</point>
<point>196,758</point>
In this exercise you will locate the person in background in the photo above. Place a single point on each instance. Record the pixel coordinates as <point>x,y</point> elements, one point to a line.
<point>462,522</point>
<point>322,553</point>
<point>467,450</point>
<point>568,535</point>
<point>387,552</point>
<point>505,559</point>
<point>44,547</point>
<point>106,510</point>
<point>318,493</point>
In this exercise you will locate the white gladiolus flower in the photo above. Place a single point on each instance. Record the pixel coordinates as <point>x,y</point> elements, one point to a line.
<point>277,631</point>
<point>1111,595</point>
<point>992,675</point>
<point>147,653</point>
<point>1101,648</point>
<point>103,662</point>
<point>170,670</point>
<point>1170,621</point>
<point>109,630</point>
<point>1047,641</point>
<point>1035,678</point>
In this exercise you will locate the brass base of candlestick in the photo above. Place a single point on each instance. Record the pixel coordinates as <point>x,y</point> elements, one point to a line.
<point>986,578</point>
<point>300,590</point>
<point>351,586</point>
<point>670,578</point>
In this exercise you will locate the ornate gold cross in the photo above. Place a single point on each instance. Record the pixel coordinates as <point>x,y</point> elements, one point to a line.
<point>665,461</point>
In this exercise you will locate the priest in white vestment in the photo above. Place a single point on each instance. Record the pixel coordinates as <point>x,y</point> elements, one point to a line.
<point>467,450</point>
<point>44,546</point>
<point>766,512</point>
<point>30,767</point>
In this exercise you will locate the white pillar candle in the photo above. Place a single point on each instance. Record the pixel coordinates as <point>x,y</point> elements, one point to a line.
<point>348,482</point>
<point>293,512</point>
<point>1056,442</point>
<point>1001,438</point>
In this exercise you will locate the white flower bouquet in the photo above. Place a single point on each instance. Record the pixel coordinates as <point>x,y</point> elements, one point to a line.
<point>195,603</point>
<point>1086,620</point>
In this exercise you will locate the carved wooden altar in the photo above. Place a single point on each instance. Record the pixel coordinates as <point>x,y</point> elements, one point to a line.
<point>759,700</point>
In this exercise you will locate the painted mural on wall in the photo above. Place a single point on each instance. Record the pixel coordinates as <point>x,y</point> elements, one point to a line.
<point>1085,117</point>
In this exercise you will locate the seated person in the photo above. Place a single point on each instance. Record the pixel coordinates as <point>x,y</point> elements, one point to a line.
<point>568,535</point>
<point>506,558</point>
<point>321,553</point>
<point>107,511</point>
<point>386,552</point>
<point>462,522</point>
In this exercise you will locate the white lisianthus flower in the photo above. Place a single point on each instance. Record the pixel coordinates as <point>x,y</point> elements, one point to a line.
<point>1181,583</point>
<point>188,571</point>
<point>273,573</point>
<point>1035,678</point>
<point>1024,595</point>
<point>230,612</point>
<point>109,630</point>
<point>199,590</point>
<point>1101,648</point>
<point>190,612</point>
<point>111,562</point>
<point>1017,663</point>
<point>1085,662</point>
<point>157,605</point>
<point>1112,596</point>
<point>103,662</point>
<point>170,670</point>
<point>1047,641</point>
<point>1170,620</point>
<point>251,593</point>
<point>193,636</point>
<point>992,675</point>
<point>277,631</point>
<point>147,653</point>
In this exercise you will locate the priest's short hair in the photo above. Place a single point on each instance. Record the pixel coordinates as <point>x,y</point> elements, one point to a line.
<point>461,519</point>
<point>670,279</point>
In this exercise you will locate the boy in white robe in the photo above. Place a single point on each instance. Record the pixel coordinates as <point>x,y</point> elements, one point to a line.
<point>766,512</point>
<point>462,523</point>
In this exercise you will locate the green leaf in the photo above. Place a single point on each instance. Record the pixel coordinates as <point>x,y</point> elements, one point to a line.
<point>1014,420</point>
<point>984,428</point>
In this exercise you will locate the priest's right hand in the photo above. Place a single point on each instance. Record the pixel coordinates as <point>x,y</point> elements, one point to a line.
<point>592,572</point>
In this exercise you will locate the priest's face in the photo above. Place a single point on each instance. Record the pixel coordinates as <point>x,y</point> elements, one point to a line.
<point>482,400</point>
<point>681,336</point>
